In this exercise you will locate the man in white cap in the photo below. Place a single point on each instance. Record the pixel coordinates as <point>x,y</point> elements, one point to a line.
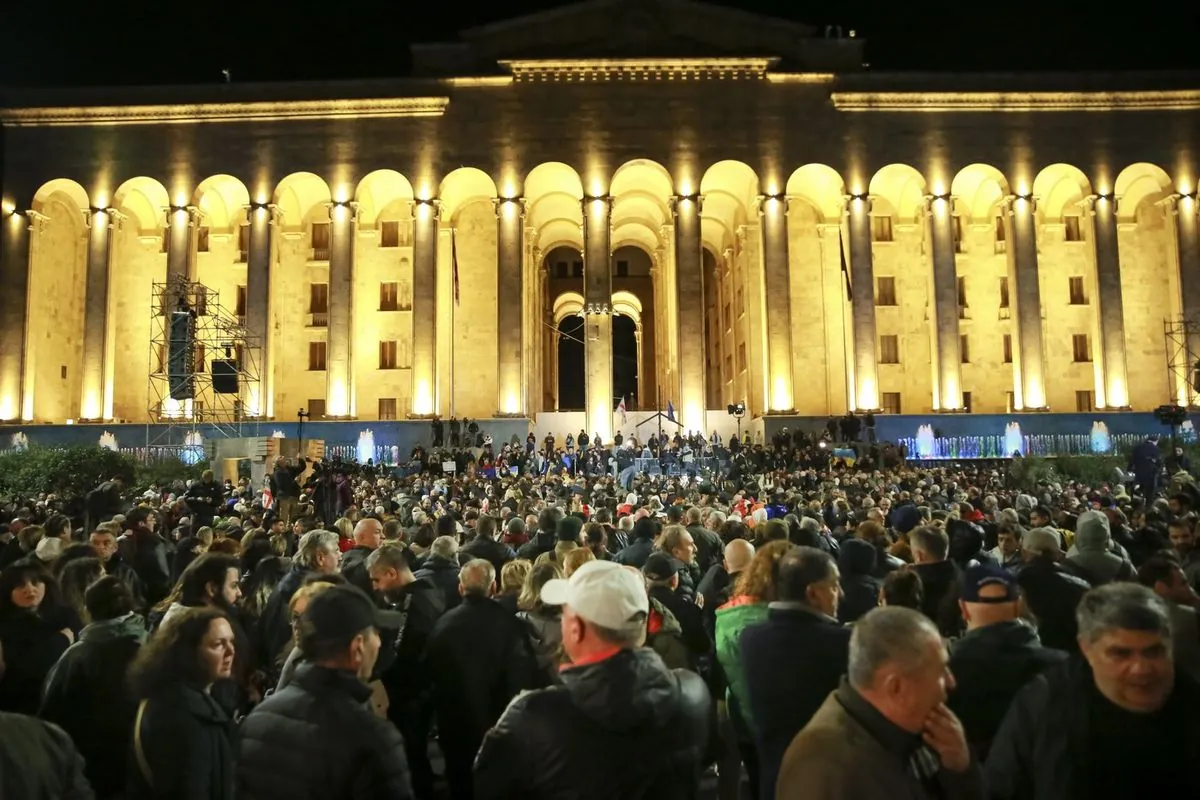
<point>620,724</point>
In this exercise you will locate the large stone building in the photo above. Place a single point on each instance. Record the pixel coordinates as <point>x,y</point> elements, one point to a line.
<point>768,222</point>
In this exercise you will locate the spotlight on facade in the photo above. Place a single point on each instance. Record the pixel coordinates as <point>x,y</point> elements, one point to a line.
<point>737,410</point>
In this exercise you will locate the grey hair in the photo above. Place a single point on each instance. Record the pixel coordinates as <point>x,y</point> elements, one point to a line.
<point>444,547</point>
<point>1040,540</point>
<point>312,543</point>
<point>888,635</point>
<point>810,525</point>
<point>477,576</point>
<point>930,540</point>
<point>1122,606</point>
<point>389,555</point>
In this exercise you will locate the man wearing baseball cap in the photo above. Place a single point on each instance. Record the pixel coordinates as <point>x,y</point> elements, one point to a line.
<point>619,725</point>
<point>998,655</point>
<point>315,737</point>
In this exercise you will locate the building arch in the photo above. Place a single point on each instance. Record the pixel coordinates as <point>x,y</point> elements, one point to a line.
<point>627,303</point>
<point>642,177</point>
<point>223,200</point>
<point>821,187</point>
<point>902,189</point>
<point>566,305</point>
<point>299,197</point>
<point>1060,189</point>
<point>979,189</point>
<point>462,187</point>
<point>1138,185</point>
<point>377,192</point>
<point>145,201</point>
<point>67,190</point>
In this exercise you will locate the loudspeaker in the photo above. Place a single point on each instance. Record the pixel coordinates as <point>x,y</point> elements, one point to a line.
<point>181,355</point>
<point>224,376</point>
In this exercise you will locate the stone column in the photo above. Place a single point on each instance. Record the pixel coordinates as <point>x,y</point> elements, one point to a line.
<point>597,314</point>
<point>15,233</point>
<point>1111,312</point>
<point>862,305</point>
<point>95,314</point>
<point>339,372</point>
<point>510,309</point>
<point>1187,247</point>
<point>689,286</point>
<point>1021,234</point>
<point>179,242</point>
<point>947,385</point>
<point>258,308</point>
<point>424,306</point>
<point>778,305</point>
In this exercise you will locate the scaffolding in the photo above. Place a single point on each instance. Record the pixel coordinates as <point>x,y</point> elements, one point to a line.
<point>217,340</point>
<point>1183,360</point>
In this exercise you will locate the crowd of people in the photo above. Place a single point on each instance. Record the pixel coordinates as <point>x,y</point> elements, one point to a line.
<point>787,626</point>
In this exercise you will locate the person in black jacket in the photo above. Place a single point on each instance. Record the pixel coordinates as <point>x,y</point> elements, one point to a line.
<point>285,489</point>
<point>315,738</point>
<point>479,657</point>
<point>85,693</point>
<point>487,545</point>
<point>38,759</point>
<point>181,735</point>
<point>620,724</point>
<point>148,553</point>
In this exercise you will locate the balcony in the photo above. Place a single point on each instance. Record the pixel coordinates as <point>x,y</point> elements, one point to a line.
<point>318,319</point>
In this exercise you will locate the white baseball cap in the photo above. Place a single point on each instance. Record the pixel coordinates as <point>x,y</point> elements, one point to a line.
<point>602,592</point>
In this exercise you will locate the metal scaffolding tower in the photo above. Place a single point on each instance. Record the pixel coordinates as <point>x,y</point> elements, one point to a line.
<point>1183,359</point>
<point>203,367</point>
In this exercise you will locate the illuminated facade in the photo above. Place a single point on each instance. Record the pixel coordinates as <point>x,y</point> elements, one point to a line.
<point>779,228</point>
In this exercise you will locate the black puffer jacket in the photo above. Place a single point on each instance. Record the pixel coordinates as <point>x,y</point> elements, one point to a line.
<point>315,738</point>
<point>623,727</point>
<point>38,759</point>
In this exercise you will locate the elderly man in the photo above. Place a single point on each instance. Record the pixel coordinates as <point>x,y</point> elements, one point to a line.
<point>885,732</point>
<point>619,725</point>
<point>1118,723</point>
<point>368,535</point>
<point>316,553</point>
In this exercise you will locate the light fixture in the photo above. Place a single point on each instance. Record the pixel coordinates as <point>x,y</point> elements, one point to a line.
<point>736,410</point>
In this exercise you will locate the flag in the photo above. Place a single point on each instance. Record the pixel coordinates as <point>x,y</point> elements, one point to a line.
<point>670,411</point>
<point>845,269</point>
<point>454,261</point>
<point>621,409</point>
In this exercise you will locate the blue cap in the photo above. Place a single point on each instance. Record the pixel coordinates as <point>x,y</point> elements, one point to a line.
<point>980,575</point>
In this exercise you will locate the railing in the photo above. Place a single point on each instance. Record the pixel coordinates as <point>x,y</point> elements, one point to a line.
<point>318,320</point>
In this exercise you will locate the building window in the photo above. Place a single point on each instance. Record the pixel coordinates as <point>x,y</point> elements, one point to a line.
<point>957,226</point>
<point>1083,401</point>
<point>967,406</point>
<point>964,349</point>
<point>202,239</point>
<point>881,228</point>
<point>320,241</point>
<point>1004,292</point>
<point>889,349</point>
<point>318,305</point>
<point>885,291</point>
<point>728,368</point>
<point>1010,402</point>
<point>389,234</point>
<point>1007,348</point>
<point>389,296</point>
<point>201,301</point>
<point>387,355</point>
<point>622,269</point>
<point>1073,230</point>
<point>240,306</point>
<point>316,408</point>
<point>741,302</point>
<point>890,402</point>
<point>387,408</point>
<point>239,352</point>
<point>1081,348</point>
<point>316,356</point>
<point>560,269</point>
<point>243,243</point>
<point>961,288</point>
<point>201,358</point>
<point>742,357</point>
<point>728,318</point>
<point>999,234</point>
<point>165,246</point>
<point>577,269</point>
<point>1075,291</point>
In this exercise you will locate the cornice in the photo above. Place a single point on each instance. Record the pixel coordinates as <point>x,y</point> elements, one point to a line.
<point>224,112</point>
<point>637,69</point>
<point>1024,102</point>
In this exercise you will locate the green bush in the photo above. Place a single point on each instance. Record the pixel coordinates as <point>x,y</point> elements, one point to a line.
<point>164,472</point>
<point>70,472</point>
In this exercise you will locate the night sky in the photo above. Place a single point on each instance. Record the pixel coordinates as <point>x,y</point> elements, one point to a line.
<point>42,43</point>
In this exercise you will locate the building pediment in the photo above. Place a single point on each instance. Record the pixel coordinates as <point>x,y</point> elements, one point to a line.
<point>640,29</point>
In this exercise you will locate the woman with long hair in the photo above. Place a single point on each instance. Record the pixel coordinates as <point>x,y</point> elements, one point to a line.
<point>545,622</point>
<point>181,735</point>
<point>36,628</point>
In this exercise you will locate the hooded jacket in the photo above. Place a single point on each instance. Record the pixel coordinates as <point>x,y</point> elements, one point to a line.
<point>625,727</point>
<point>1091,551</point>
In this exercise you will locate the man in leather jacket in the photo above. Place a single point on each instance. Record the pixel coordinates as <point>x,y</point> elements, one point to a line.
<point>619,725</point>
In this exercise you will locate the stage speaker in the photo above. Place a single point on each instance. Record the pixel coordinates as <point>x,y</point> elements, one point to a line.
<point>181,355</point>
<point>224,376</point>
